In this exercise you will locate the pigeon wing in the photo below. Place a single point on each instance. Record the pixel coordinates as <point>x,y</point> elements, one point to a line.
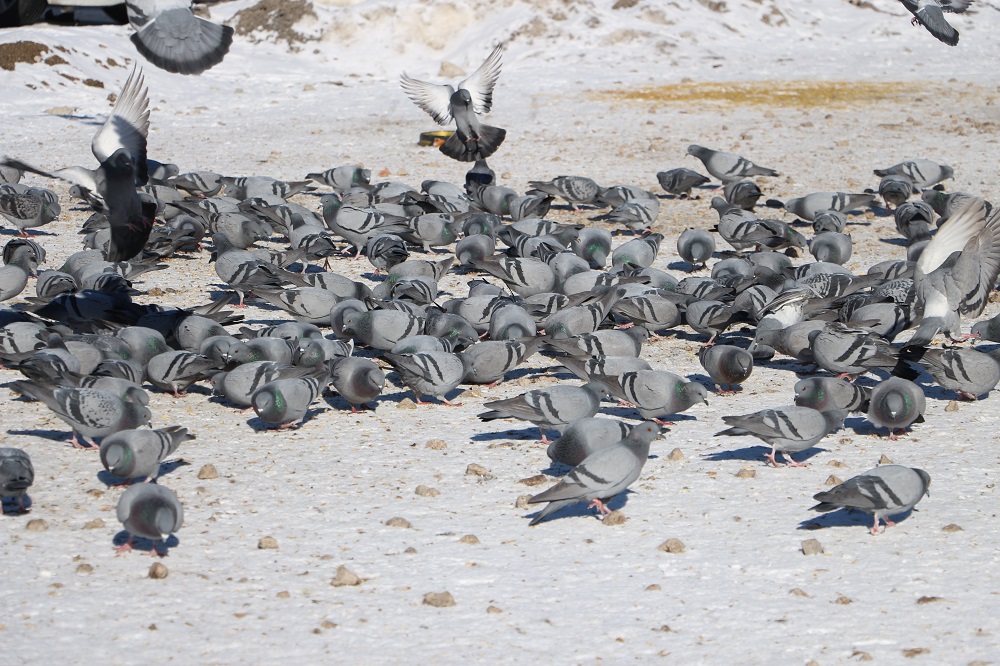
<point>481,82</point>
<point>433,98</point>
<point>127,127</point>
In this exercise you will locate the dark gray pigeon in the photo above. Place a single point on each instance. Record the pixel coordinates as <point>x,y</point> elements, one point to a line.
<point>16,474</point>
<point>429,373</point>
<point>554,407</point>
<point>472,140</point>
<point>357,380</point>
<point>831,394</point>
<point>656,394</point>
<point>886,491</point>
<point>575,190</point>
<point>727,365</point>
<point>602,475</point>
<point>680,181</point>
<point>286,402</point>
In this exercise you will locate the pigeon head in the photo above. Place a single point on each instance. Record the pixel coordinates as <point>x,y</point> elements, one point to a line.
<point>461,98</point>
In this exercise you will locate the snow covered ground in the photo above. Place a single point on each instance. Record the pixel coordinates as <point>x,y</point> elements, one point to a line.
<point>616,94</point>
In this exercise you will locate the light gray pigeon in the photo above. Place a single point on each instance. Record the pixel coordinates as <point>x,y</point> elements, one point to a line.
<point>90,412</point>
<point>605,342</point>
<point>357,380</point>
<point>831,394</point>
<point>914,220</point>
<point>831,246</point>
<point>137,454</point>
<point>829,220</point>
<point>806,207</point>
<point>895,189</point>
<point>848,352</point>
<point>656,394</point>
<point>895,404</point>
<point>151,511</point>
<point>582,438</point>
<point>737,227</point>
<point>638,215</point>
<point>381,329</point>
<point>170,36</point>
<point>286,402</point>
<point>885,491</point>
<point>343,178</point>
<point>786,429</point>
<point>524,276</point>
<point>176,371</point>
<point>593,245</point>
<point>244,271</point>
<point>473,97</point>
<point>956,271</point>
<point>639,252</point>
<point>429,373</point>
<point>488,361</point>
<point>696,246</point>
<point>386,250</point>
<point>239,384</point>
<point>742,193</point>
<point>968,372</point>
<point>16,474</point>
<point>575,190</point>
<point>554,407</point>
<point>930,14</point>
<point>651,310</point>
<point>988,329</point>
<point>728,167</point>
<point>602,475</point>
<point>14,275</point>
<point>923,172</point>
<point>680,181</point>
<point>727,365</point>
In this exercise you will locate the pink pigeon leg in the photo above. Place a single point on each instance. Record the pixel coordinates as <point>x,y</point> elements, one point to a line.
<point>792,463</point>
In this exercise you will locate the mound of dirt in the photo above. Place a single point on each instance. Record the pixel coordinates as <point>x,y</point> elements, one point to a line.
<point>15,52</point>
<point>278,17</point>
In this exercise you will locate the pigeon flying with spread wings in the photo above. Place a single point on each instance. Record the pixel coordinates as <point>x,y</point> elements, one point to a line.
<point>930,14</point>
<point>472,140</point>
<point>170,36</point>
<point>120,147</point>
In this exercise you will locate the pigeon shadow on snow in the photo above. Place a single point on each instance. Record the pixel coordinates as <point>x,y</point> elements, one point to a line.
<point>580,509</point>
<point>754,453</point>
<point>13,231</point>
<point>166,467</point>
<point>260,425</point>
<point>845,518</point>
<point>10,507</point>
<point>161,548</point>
<point>689,268</point>
<point>530,433</point>
<point>54,435</point>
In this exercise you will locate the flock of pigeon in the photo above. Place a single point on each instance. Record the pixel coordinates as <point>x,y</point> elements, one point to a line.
<point>89,353</point>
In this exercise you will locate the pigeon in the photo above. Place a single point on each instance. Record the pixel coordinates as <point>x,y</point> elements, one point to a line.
<point>593,245</point>
<point>914,220</point>
<point>524,276</point>
<point>16,474</point>
<point>472,140</point>
<point>487,362</point>
<point>930,14</point>
<point>239,384</point>
<point>150,511</point>
<point>956,271</point>
<point>554,407</point>
<point>727,365</point>
<point>831,394</point>
<point>91,412</point>
<point>895,189</point>
<point>574,190</point>
<point>896,403</point>
<point>728,167</point>
<point>638,215</point>
<point>831,246</point>
<point>848,352</point>
<point>286,401</point>
<point>170,36</point>
<point>243,271</point>
<point>923,172</point>
<point>786,429</point>
<point>120,147</point>
<point>806,207</point>
<point>829,220</point>
<point>137,454</point>
<point>605,342</point>
<point>386,250</point>
<point>28,210</point>
<point>584,437</point>
<point>14,275</point>
<point>639,252</point>
<point>680,181</point>
<point>988,329</point>
<point>176,371</point>
<point>343,178</point>
<point>651,310</point>
<point>656,394</point>
<point>381,329</point>
<point>602,475</point>
<point>357,380</point>
<point>696,246</point>
<point>429,373</point>
<point>742,193</point>
<point>885,491</point>
<point>968,372</point>
<point>595,366</point>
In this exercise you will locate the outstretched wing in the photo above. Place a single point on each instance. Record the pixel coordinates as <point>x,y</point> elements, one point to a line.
<point>480,83</point>
<point>128,126</point>
<point>433,98</point>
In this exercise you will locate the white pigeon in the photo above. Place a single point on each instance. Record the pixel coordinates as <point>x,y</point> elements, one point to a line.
<point>472,140</point>
<point>956,272</point>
